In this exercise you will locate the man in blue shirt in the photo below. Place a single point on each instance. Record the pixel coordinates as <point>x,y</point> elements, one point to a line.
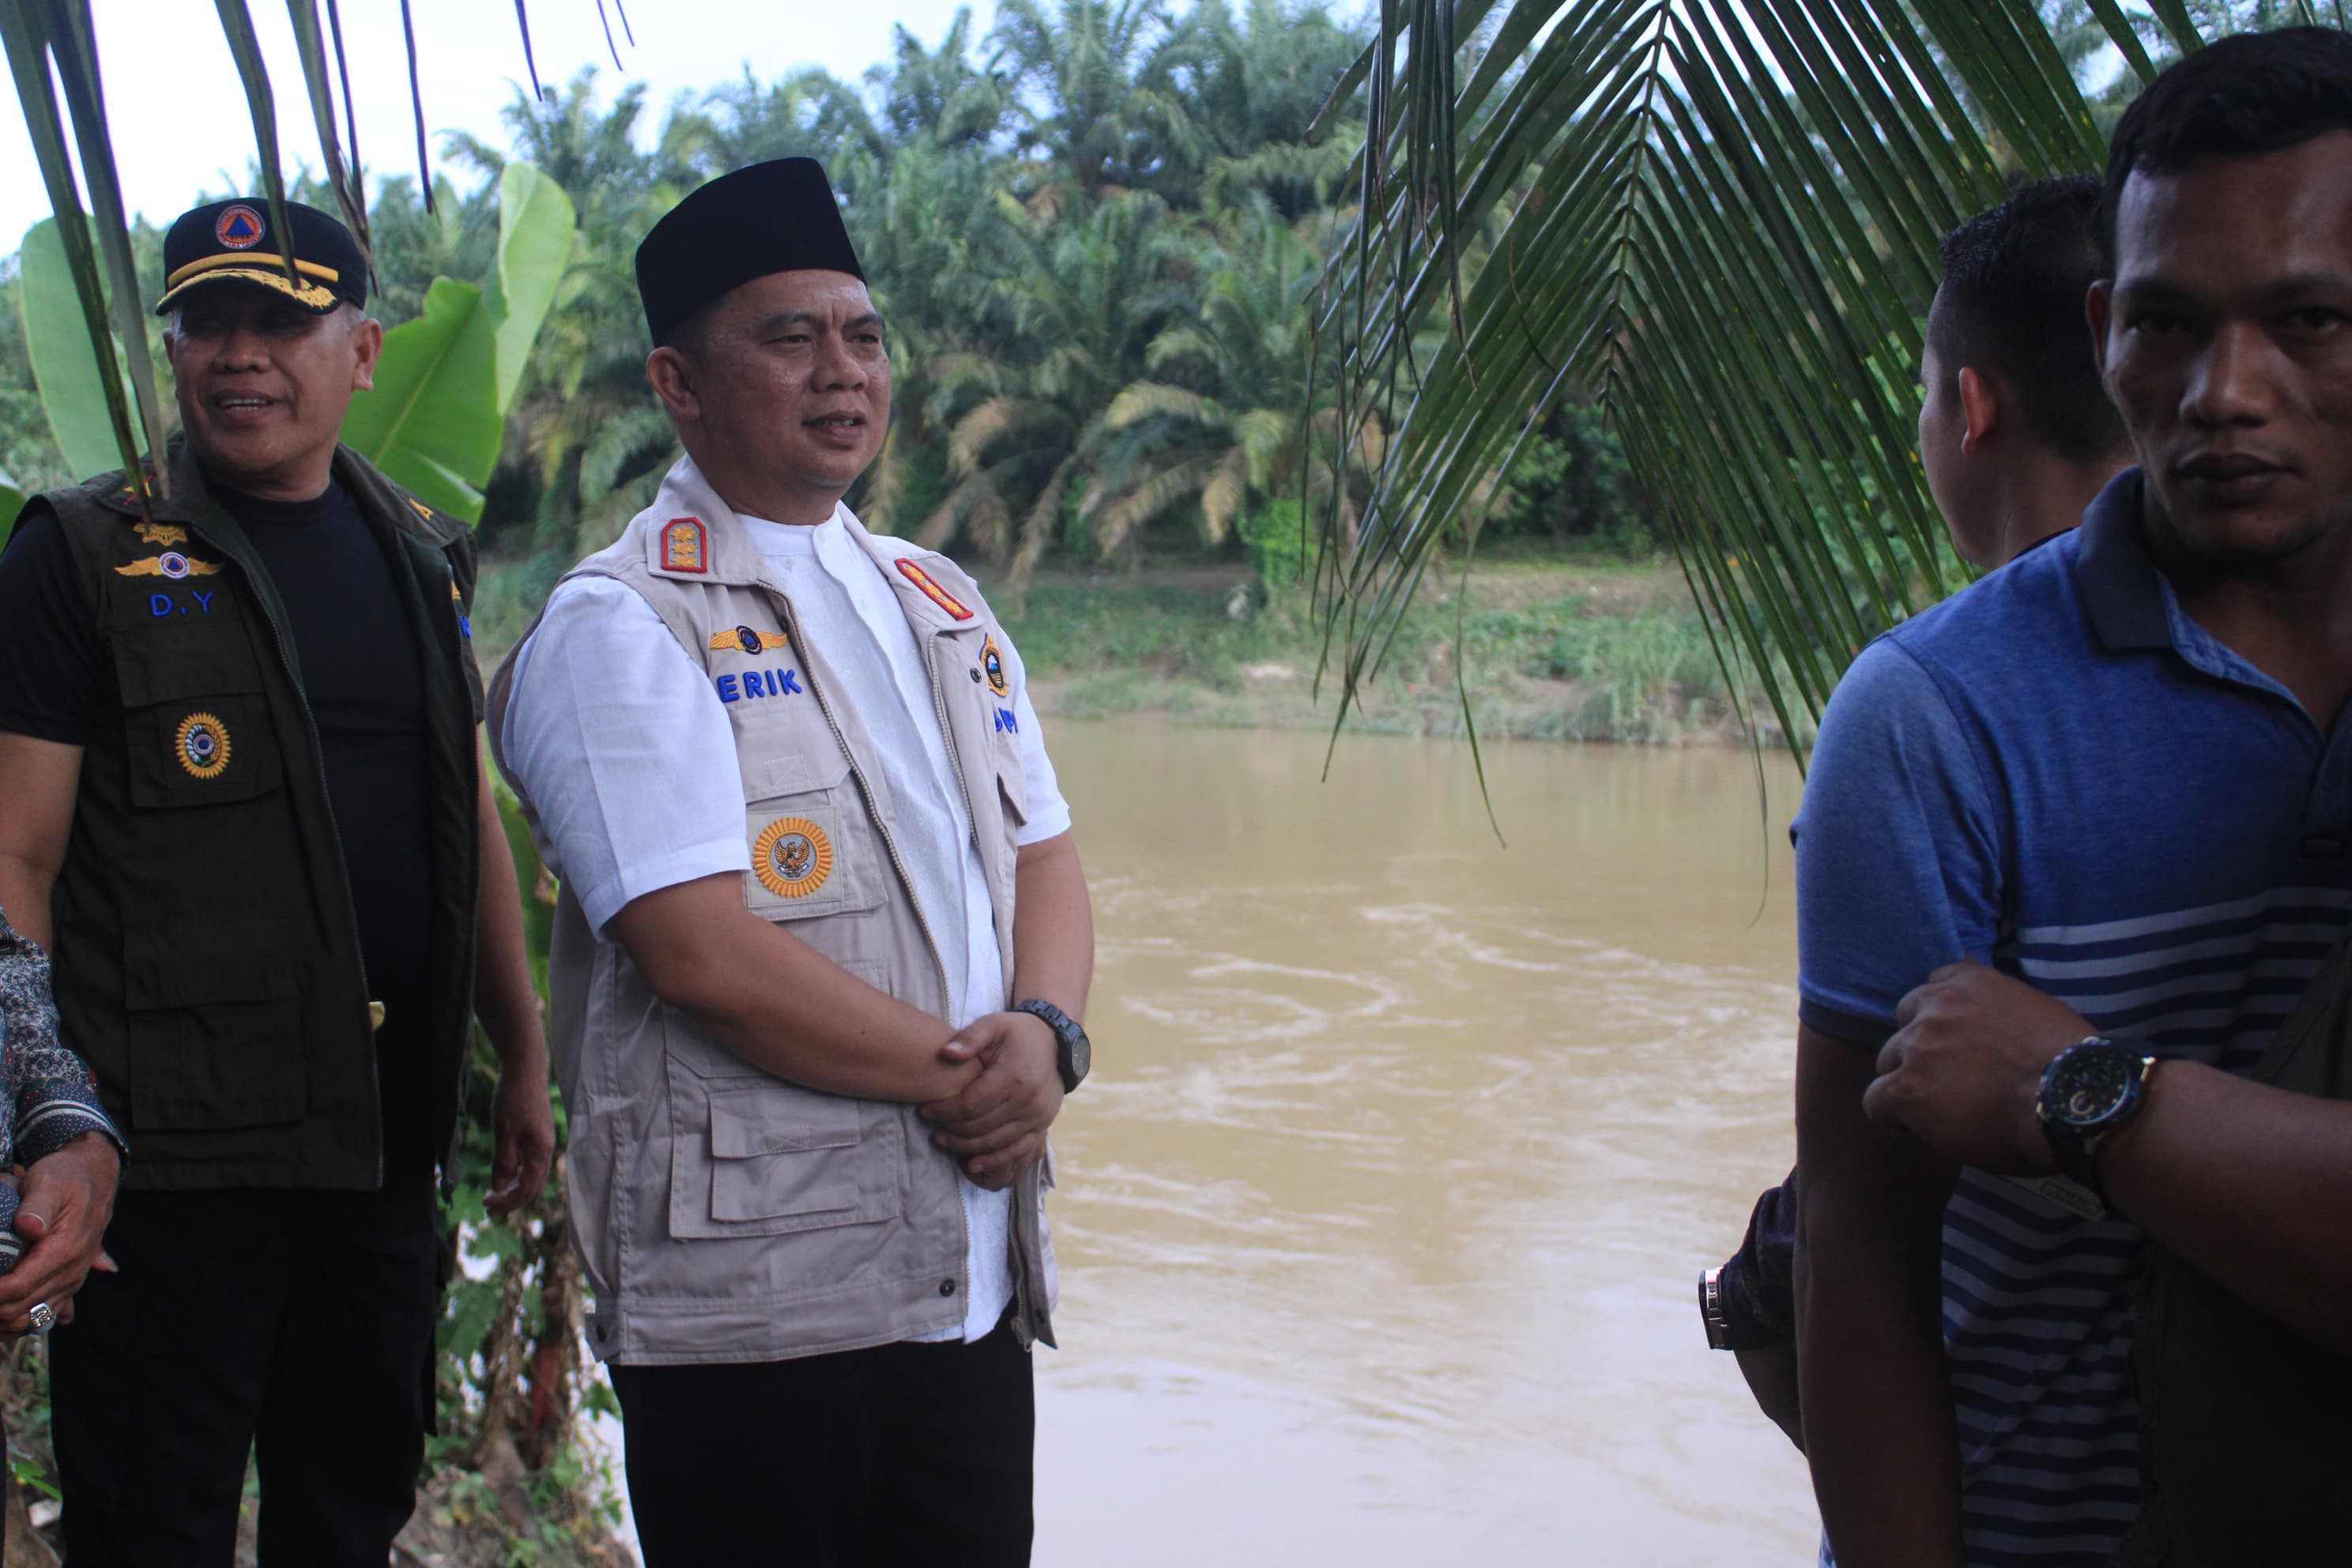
<point>2113,770</point>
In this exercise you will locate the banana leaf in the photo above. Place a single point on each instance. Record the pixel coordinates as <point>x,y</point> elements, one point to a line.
<point>432,422</point>
<point>57,342</point>
<point>537,227</point>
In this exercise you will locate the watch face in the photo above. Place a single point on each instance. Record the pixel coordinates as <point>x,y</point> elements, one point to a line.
<point>2091,1084</point>
<point>1082,1053</point>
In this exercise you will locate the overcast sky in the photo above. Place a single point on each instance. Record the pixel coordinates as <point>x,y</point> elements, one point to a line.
<point>179,113</point>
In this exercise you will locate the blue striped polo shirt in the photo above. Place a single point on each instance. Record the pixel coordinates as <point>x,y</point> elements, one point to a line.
<point>2058,772</point>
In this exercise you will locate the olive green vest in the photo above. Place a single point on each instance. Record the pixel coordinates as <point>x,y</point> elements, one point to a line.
<point>2245,1441</point>
<point>207,951</point>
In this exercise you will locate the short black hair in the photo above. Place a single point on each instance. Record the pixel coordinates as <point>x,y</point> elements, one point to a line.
<point>2241,98</point>
<point>2015,279</point>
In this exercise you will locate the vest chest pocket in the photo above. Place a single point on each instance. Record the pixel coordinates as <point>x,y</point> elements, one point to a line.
<point>196,729</point>
<point>812,850</point>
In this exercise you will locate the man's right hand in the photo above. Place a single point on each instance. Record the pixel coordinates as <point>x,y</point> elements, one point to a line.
<point>996,1126</point>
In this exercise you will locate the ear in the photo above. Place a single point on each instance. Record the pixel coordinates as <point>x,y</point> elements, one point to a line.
<point>672,378</point>
<point>2098,309</point>
<point>1979,409</point>
<point>367,343</point>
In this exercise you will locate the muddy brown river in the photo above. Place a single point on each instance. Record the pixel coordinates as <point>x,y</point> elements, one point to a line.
<point>1379,1220</point>
<point>1381,1216</point>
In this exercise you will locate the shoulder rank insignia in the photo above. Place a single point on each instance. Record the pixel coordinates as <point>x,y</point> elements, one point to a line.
<point>422,510</point>
<point>932,591</point>
<point>791,857</point>
<point>747,640</point>
<point>682,545</point>
<point>201,745</point>
<point>172,565</point>
<point>992,663</point>
<point>159,532</point>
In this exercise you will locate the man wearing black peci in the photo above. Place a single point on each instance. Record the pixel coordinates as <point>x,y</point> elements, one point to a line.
<point>245,812</point>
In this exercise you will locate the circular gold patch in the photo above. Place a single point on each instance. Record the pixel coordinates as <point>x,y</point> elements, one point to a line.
<point>202,745</point>
<point>791,857</point>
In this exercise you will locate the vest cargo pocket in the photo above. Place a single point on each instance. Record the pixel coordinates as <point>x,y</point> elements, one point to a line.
<point>214,1036</point>
<point>210,750</point>
<point>754,1155</point>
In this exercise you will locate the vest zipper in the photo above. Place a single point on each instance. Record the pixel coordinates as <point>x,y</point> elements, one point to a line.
<point>264,593</point>
<point>865,792</point>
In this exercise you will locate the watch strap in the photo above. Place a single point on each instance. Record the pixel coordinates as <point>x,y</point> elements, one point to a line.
<point>1067,1038</point>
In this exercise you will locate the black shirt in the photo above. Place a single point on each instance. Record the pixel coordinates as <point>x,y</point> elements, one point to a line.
<point>364,681</point>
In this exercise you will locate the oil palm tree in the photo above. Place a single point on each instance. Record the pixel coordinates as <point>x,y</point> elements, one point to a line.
<point>1028,421</point>
<point>1215,422</point>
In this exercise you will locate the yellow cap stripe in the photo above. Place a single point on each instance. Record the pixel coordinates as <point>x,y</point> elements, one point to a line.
<point>248,258</point>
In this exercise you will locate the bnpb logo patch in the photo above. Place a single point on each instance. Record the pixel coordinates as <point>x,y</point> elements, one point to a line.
<point>238,227</point>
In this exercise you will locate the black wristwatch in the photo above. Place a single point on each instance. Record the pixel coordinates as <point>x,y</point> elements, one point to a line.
<point>2088,1093</point>
<point>1073,1052</point>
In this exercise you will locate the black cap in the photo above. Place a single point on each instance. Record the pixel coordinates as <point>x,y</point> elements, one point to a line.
<point>770,217</point>
<point>232,242</point>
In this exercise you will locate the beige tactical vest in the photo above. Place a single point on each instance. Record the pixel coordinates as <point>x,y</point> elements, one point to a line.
<point>725,1215</point>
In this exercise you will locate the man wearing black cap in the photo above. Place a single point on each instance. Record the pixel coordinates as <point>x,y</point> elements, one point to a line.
<point>245,812</point>
<point>791,777</point>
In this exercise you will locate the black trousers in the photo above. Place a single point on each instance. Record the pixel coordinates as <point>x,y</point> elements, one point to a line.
<point>295,1324</point>
<point>900,1454</point>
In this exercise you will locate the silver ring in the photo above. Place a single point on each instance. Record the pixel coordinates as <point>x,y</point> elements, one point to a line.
<point>42,1317</point>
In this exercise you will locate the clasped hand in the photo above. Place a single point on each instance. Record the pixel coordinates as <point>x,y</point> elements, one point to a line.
<point>66,1200</point>
<point>995,1126</point>
<point>1963,1072</point>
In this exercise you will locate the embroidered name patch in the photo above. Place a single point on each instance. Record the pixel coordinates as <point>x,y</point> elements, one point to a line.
<point>201,745</point>
<point>932,591</point>
<point>745,640</point>
<point>682,546</point>
<point>791,857</point>
<point>992,663</point>
<point>172,565</point>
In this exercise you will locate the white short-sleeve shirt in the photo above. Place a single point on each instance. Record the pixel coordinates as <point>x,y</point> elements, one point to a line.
<point>629,761</point>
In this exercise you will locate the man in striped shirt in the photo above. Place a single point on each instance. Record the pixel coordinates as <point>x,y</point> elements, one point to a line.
<point>2115,769</point>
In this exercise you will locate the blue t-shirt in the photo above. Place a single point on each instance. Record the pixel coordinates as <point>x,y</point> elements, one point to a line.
<point>2058,772</point>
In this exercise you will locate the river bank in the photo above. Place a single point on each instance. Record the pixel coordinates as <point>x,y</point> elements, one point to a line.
<point>1549,649</point>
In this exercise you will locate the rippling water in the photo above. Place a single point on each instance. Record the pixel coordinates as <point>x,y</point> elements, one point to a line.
<point>1380,1219</point>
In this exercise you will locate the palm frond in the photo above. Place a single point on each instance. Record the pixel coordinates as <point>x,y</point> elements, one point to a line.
<point>1718,220</point>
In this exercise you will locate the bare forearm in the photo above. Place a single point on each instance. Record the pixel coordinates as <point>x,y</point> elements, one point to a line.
<point>504,998</point>
<point>24,897</point>
<point>1876,1393</point>
<point>1054,928</point>
<point>779,1003</point>
<point>2250,1183</point>
<point>1877,1407</point>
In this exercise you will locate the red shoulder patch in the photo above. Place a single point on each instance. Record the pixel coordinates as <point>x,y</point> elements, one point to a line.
<point>682,546</point>
<point>932,591</point>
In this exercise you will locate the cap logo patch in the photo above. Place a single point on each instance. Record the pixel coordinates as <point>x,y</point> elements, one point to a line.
<point>201,745</point>
<point>238,227</point>
<point>791,857</point>
<point>681,546</point>
<point>932,591</point>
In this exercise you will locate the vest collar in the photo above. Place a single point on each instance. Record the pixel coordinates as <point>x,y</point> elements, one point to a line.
<point>932,590</point>
<point>693,536</point>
